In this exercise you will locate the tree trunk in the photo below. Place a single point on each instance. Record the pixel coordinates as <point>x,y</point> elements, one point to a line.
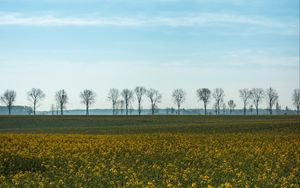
<point>178,110</point>
<point>9,110</point>
<point>33,109</point>
<point>205,108</point>
<point>61,110</point>
<point>139,108</point>
<point>87,109</point>
<point>152,109</point>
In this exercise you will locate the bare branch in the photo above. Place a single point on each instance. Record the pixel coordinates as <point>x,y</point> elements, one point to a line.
<point>231,105</point>
<point>245,95</point>
<point>8,98</point>
<point>113,96</point>
<point>257,96</point>
<point>155,98</point>
<point>61,99</point>
<point>272,98</point>
<point>140,92</point>
<point>88,97</point>
<point>218,94</point>
<point>128,98</point>
<point>204,94</point>
<point>35,96</point>
<point>179,98</point>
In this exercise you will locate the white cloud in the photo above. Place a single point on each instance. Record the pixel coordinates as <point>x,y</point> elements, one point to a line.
<point>177,20</point>
<point>48,20</point>
<point>244,58</point>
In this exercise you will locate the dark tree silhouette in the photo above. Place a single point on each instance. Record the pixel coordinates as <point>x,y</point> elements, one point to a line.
<point>35,96</point>
<point>272,98</point>
<point>257,96</point>
<point>296,99</point>
<point>61,99</point>
<point>231,105</point>
<point>245,95</point>
<point>140,92</point>
<point>121,104</point>
<point>251,108</point>
<point>113,96</point>
<point>88,97</point>
<point>179,98</point>
<point>204,95</point>
<point>218,94</point>
<point>8,98</point>
<point>128,98</point>
<point>155,98</point>
<point>224,107</point>
<point>215,106</point>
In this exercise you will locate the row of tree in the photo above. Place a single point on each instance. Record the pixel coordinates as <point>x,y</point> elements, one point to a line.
<point>126,97</point>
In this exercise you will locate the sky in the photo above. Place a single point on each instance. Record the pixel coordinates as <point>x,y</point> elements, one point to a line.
<point>161,44</point>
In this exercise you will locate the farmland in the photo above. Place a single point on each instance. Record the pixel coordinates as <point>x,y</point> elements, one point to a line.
<point>149,151</point>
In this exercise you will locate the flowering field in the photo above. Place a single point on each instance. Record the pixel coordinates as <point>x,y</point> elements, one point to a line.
<point>263,155</point>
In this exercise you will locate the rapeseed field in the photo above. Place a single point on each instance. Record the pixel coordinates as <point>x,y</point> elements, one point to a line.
<point>233,159</point>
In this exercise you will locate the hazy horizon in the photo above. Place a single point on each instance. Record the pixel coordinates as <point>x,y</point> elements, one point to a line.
<point>161,44</point>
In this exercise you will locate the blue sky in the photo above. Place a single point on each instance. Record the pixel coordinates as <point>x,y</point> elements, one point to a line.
<point>162,44</point>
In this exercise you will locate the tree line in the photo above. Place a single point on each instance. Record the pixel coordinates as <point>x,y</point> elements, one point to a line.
<point>124,98</point>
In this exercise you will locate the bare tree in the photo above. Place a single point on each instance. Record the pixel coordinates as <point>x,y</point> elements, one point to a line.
<point>204,95</point>
<point>296,99</point>
<point>272,98</point>
<point>128,98</point>
<point>61,99</point>
<point>224,108</point>
<point>122,106</point>
<point>88,97</point>
<point>257,96</point>
<point>179,98</point>
<point>35,96</point>
<point>154,97</point>
<point>245,95</point>
<point>218,94</point>
<point>119,108</point>
<point>140,92</point>
<point>231,105</point>
<point>113,96</point>
<point>251,108</point>
<point>216,108</point>
<point>8,98</point>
